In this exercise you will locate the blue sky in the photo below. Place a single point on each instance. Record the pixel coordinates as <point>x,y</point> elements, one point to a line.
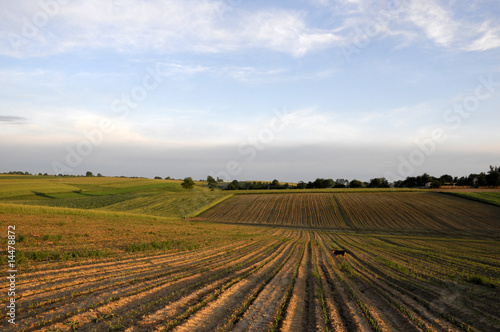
<point>250,90</point>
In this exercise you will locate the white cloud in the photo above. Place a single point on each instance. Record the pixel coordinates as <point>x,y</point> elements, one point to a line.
<point>160,26</point>
<point>434,20</point>
<point>489,38</point>
<point>176,26</point>
<point>181,70</point>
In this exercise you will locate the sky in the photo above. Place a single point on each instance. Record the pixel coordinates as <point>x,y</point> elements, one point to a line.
<point>250,90</point>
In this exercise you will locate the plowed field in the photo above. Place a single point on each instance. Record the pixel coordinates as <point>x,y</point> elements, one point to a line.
<point>289,282</point>
<point>360,211</point>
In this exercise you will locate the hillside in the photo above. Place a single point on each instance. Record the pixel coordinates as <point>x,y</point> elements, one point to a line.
<point>161,198</point>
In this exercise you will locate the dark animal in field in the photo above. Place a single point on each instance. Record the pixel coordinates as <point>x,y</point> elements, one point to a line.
<point>337,252</point>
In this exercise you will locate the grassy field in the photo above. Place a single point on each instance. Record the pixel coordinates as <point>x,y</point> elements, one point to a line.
<point>489,197</point>
<point>115,254</point>
<point>162,198</point>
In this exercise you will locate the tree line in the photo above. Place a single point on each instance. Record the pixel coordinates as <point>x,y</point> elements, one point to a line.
<point>319,183</point>
<point>490,178</point>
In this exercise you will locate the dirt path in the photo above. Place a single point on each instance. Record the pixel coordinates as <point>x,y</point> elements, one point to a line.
<point>299,316</point>
<point>261,314</point>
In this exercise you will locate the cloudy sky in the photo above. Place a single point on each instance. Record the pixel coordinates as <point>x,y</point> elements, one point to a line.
<point>250,90</point>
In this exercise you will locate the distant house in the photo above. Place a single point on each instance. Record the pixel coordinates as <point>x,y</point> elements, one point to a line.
<point>476,179</point>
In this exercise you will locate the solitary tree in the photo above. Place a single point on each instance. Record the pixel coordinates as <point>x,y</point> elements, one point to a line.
<point>275,185</point>
<point>188,183</point>
<point>89,174</point>
<point>211,182</point>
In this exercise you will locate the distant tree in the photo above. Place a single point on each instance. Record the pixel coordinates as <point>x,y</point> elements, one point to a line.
<point>436,184</point>
<point>234,185</point>
<point>301,185</point>
<point>463,181</point>
<point>212,183</point>
<point>156,177</point>
<point>410,182</point>
<point>423,179</point>
<point>258,185</point>
<point>378,183</point>
<point>355,184</point>
<point>329,183</point>
<point>482,180</point>
<point>321,183</point>
<point>493,177</point>
<point>89,174</point>
<point>275,184</point>
<point>341,183</point>
<point>398,184</point>
<point>99,175</point>
<point>188,183</point>
<point>446,179</point>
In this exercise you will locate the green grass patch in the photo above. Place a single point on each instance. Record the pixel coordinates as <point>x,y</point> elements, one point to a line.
<point>487,197</point>
<point>52,237</point>
<point>482,281</point>
<point>398,267</point>
<point>22,257</point>
<point>164,245</point>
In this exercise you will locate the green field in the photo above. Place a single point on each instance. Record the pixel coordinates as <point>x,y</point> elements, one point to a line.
<point>162,198</point>
<point>485,197</point>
